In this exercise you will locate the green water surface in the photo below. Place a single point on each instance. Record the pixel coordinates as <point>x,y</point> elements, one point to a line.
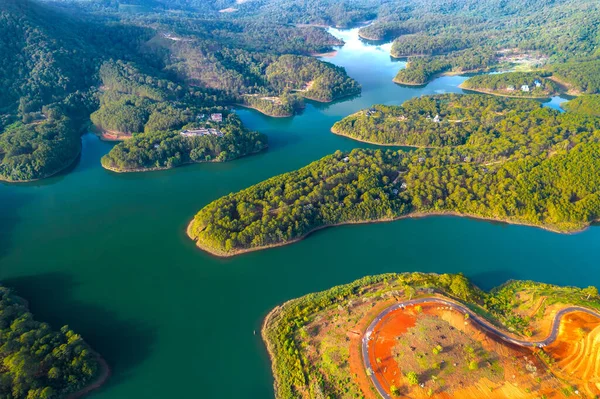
<point>107,253</point>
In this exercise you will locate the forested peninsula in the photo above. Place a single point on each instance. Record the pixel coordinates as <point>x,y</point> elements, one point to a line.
<point>167,149</point>
<point>513,84</point>
<point>40,363</point>
<point>490,158</point>
<point>316,342</point>
<point>291,79</point>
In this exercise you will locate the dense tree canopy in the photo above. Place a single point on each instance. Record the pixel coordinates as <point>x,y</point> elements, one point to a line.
<point>583,76</point>
<point>515,161</point>
<point>168,149</point>
<point>155,73</point>
<point>38,362</point>
<point>585,105</point>
<point>420,70</point>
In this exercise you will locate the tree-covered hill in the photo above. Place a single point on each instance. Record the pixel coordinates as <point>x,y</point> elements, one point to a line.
<point>142,70</point>
<point>433,121</point>
<point>512,160</point>
<point>584,105</point>
<point>44,58</point>
<point>38,362</point>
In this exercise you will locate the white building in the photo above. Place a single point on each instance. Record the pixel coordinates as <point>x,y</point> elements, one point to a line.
<point>525,88</point>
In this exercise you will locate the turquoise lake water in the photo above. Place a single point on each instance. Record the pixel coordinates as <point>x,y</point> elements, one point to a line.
<point>107,253</point>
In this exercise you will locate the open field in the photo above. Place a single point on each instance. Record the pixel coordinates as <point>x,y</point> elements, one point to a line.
<point>389,339</point>
<point>452,358</point>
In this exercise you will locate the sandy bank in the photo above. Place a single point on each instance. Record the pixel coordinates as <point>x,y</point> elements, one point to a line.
<point>261,111</point>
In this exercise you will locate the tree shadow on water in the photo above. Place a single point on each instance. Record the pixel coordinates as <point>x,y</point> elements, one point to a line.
<point>124,344</point>
<point>487,280</point>
<point>9,219</point>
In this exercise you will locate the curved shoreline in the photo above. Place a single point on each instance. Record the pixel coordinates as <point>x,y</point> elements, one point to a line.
<point>482,323</point>
<point>439,75</point>
<point>62,169</point>
<point>416,215</point>
<point>261,111</point>
<point>100,380</point>
<point>154,169</point>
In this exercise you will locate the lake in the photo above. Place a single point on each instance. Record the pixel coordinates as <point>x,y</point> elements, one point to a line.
<point>107,253</point>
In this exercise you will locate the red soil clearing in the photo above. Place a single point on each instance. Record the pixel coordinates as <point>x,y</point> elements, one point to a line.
<point>577,355</point>
<point>357,367</point>
<point>385,336</point>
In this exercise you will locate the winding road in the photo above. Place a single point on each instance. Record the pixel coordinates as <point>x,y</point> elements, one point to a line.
<point>486,326</point>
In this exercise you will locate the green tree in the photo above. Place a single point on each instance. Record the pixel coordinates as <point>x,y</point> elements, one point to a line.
<point>412,377</point>
<point>590,291</point>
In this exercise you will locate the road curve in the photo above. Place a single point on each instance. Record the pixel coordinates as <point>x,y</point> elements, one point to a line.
<point>485,325</point>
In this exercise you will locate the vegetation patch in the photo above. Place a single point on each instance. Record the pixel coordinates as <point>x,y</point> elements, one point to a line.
<point>41,363</point>
<point>514,84</point>
<point>315,341</point>
<point>493,158</point>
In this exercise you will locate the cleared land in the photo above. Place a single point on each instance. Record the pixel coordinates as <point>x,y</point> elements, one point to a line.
<point>356,341</point>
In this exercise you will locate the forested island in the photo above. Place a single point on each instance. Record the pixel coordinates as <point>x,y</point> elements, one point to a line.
<point>513,84</point>
<point>428,335</point>
<point>491,158</point>
<point>168,149</point>
<point>41,363</point>
<point>291,79</point>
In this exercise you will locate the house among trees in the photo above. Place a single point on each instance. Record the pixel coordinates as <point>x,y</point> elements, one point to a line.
<point>216,117</point>
<point>437,119</point>
<point>525,88</point>
<point>538,83</point>
<point>510,88</point>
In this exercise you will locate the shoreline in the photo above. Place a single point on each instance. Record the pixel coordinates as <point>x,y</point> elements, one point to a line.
<point>439,75</point>
<point>568,88</point>
<point>103,376</point>
<point>67,166</point>
<point>261,111</point>
<point>155,169</point>
<point>491,93</point>
<point>416,215</point>
<point>328,54</point>
<point>105,135</point>
<point>267,342</point>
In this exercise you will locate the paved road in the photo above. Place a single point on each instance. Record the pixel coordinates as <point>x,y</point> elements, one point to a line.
<point>486,326</point>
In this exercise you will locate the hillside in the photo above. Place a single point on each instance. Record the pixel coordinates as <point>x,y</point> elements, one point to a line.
<point>490,158</point>
<point>423,335</point>
<point>60,68</point>
<point>39,362</point>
